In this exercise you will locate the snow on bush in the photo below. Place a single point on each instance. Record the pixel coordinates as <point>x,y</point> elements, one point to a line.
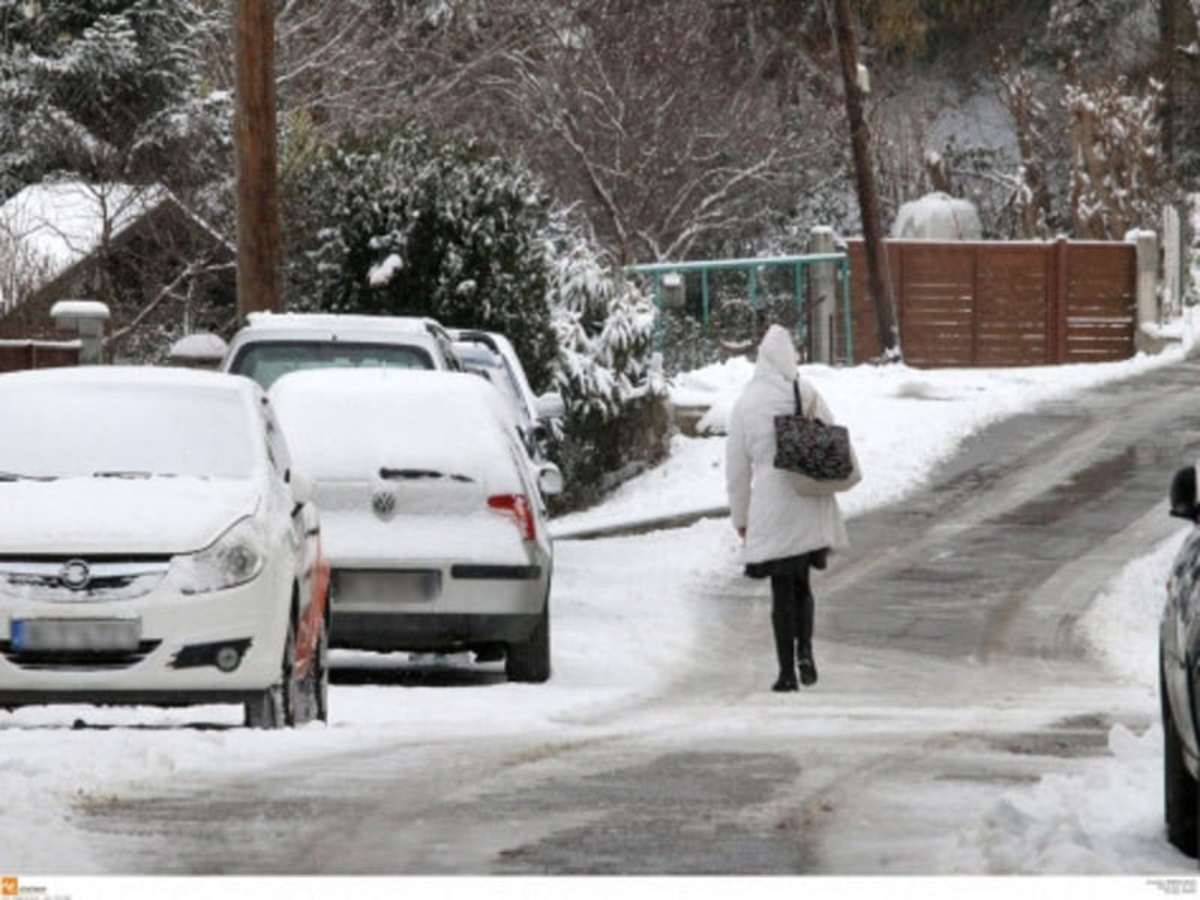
<point>428,227</point>
<point>615,397</point>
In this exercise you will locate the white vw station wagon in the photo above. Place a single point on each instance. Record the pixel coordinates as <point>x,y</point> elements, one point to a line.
<point>430,511</point>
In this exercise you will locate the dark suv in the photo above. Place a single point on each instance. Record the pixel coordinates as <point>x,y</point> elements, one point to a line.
<point>1179,674</point>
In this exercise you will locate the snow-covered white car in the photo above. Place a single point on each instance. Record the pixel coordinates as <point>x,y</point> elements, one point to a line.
<point>272,344</point>
<point>492,355</point>
<point>428,511</point>
<point>156,547</point>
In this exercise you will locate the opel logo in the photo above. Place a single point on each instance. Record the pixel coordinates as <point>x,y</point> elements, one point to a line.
<point>75,574</point>
<point>384,504</point>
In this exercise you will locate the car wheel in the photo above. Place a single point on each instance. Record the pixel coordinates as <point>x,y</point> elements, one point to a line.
<point>529,661</point>
<point>266,710</point>
<point>276,706</point>
<point>1179,788</point>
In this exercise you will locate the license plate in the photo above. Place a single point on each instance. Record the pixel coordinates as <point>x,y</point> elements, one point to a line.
<point>381,586</point>
<point>79,635</point>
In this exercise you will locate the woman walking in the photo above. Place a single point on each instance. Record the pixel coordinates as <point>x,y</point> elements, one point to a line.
<point>786,533</point>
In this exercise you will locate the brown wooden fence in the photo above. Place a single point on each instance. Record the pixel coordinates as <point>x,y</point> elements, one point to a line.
<point>18,355</point>
<point>1002,303</point>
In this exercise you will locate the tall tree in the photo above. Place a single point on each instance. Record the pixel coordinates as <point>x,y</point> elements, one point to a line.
<point>632,111</point>
<point>106,89</point>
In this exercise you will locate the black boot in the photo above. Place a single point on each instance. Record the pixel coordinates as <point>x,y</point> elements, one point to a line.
<point>807,665</point>
<point>783,624</point>
<point>785,683</point>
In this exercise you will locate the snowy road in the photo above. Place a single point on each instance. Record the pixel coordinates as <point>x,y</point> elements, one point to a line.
<point>950,674</point>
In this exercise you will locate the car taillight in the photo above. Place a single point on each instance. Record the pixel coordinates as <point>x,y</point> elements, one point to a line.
<point>517,505</point>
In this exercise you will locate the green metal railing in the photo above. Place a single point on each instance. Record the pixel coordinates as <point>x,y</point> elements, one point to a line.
<point>798,265</point>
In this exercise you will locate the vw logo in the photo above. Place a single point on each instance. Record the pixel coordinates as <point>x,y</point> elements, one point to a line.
<point>384,503</point>
<point>75,574</point>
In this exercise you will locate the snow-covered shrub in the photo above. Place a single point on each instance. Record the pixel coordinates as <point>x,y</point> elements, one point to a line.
<point>615,398</point>
<point>433,228</point>
<point>425,227</point>
<point>1116,136</point>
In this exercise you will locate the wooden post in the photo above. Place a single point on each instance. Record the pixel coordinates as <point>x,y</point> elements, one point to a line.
<point>1062,288</point>
<point>259,259</point>
<point>868,200</point>
<point>975,308</point>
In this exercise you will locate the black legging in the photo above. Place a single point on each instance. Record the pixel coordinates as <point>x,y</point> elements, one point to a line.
<point>792,615</point>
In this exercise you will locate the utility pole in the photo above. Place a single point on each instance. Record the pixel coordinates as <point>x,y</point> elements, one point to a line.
<point>1168,33</point>
<point>259,257</point>
<point>868,200</point>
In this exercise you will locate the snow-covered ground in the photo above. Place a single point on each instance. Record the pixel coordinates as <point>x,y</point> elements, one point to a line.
<point>613,602</point>
<point>903,422</point>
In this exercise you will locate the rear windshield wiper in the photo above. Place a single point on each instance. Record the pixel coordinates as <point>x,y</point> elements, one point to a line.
<point>119,473</point>
<point>416,474</point>
<point>18,476</point>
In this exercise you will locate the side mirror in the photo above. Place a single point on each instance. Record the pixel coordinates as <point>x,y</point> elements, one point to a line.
<point>1183,494</point>
<point>550,479</point>
<point>550,406</point>
<point>303,490</point>
<point>200,350</point>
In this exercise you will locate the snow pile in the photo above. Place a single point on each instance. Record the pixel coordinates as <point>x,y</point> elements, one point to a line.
<point>1098,821</point>
<point>1126,615</point>
<point>1090,824</point>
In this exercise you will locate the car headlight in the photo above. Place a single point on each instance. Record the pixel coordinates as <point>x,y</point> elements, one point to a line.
<point>234,558</point>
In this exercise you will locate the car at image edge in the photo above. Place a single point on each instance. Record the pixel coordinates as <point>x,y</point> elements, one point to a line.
<point>156,547</point>
<point>1179,674</point>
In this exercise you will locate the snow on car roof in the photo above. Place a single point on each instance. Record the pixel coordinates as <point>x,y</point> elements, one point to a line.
<point>348,422</point>
<point>335,321</point>
<point>162,376</point>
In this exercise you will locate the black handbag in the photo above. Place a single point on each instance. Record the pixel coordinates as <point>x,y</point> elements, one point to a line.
<point>810,447</point>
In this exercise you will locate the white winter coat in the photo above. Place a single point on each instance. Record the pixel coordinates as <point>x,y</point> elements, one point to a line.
<point>779,522</point>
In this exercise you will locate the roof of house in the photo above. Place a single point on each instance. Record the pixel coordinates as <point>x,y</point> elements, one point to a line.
<point>54,226</point>
<point>64,222</point>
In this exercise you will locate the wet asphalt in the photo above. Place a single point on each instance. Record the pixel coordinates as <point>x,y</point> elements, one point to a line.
<point>943,634</point>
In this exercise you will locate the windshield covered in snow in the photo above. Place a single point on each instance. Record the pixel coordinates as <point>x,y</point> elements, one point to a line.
<point>124,431</point>
<point>267,362</point>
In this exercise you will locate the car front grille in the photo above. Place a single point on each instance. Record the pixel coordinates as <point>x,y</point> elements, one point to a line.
<point>75,660</point>
<point>109,579</point>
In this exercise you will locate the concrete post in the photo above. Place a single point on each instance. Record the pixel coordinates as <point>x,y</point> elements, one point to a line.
<point>1173,255</point>
<point>1145,325</point>
<point>87,319</point>
<point>822,298</point>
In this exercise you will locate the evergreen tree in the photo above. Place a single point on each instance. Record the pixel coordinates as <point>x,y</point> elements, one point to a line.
<point>106,89</point>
